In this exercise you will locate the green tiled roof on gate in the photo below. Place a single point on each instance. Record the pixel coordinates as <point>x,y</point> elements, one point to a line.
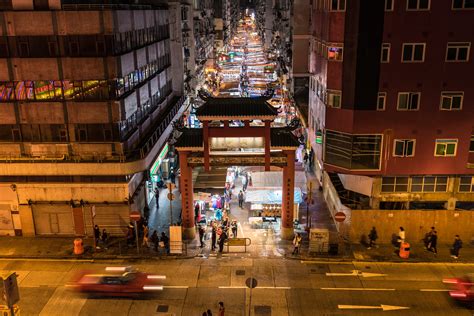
<point>236,107</point>
<point>193,138</point>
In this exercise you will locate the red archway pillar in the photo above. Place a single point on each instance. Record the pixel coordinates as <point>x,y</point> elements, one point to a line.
<point>187,196</point>
<point>288,196</point>
<point>267,145</point>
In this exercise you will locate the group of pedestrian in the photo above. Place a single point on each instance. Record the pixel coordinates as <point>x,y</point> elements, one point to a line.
<point>219,233</point>
<point>430,241</point>
<point>221,311</point>
<point>155,241</point>
<point>101,238</point>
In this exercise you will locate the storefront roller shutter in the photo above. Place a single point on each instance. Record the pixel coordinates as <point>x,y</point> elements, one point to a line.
<point>53,219</point>
<point>114,218</point>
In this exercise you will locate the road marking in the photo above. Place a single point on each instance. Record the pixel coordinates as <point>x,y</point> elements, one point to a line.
<point>241,230</point>
<point>274,287</point>
<point>382,307</point>
<point>175,287</point>
<point>326,262</point>
<point>48,260</point>
<point>63,302</point>
<point>232,287</point>
<point>434,290</point>
<point>354,289</point>
<point>357,273</point>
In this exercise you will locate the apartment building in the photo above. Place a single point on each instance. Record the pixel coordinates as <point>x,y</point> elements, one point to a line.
<point>391,114</point>
<point>86,102</point>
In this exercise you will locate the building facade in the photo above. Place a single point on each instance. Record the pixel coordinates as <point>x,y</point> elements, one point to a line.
<point>391,103</point>
<point>87,99</point>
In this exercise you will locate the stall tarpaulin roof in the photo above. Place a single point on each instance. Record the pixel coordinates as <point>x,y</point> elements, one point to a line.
<point>274,179</point>
<point>274,196</point>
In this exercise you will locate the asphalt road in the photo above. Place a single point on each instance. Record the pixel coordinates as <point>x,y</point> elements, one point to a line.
<point>285,287</point>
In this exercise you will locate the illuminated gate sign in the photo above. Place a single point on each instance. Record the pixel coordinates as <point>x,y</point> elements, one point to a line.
<point>159,159</point>
<point>236,142</point>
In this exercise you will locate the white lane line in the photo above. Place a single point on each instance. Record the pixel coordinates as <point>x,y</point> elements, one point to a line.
<point>354,289</point>
<point>241,230</point>
<point>175,287</point>
<point>434,290</point>
<point>274,287</point>
<point>49,260</point>
<point>232,287</point>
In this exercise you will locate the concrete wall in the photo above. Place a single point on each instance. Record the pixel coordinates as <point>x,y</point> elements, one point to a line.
<point>416,223</point>
<point>334,205</point>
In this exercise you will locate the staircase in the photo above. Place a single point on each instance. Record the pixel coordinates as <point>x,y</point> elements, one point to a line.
<point>214,179</point>
<point>349,198</point>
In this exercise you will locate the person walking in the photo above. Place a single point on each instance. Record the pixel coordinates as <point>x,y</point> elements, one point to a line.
<point>96,235</point>
<point>155,240</point>
<point>213,237</point>
<point>172,177</point>
<point>296,244</point>
<point>433,242</point>
<point>166,242</point>
<point>145,236</point>
<point>104,237</point>
<point>222,239</point>
<point>427,238</point>
<point>244,182</point>
<point>221,309</point>
<point>234,228</point>
<point>209,313</point>
<point>457,245</point>
<point>401,236</point>
<point>372,237</point>
<point>201,231</point>
<point>157,197</point>
<point>241,198</point>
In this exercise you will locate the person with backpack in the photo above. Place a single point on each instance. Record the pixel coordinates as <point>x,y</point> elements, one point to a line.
<point>372,237</point>
<point>457,245</point>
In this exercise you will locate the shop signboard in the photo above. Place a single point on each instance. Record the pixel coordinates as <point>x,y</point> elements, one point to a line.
<point>318,240</point>
<point>157,163</point>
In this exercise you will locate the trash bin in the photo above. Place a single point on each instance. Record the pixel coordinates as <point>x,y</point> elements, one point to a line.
<point>78,246</point>
<point>404,250</point>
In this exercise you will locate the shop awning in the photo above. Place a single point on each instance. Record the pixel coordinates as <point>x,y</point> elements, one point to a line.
<point>254,195</point>
<point>274,180</point>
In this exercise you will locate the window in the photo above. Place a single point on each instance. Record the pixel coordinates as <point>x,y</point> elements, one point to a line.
<point>338,5</point>
<point>335,53</point>
<point>385,55</point>
<point>451,100</point>
<point>404,148</point>
<point>456,52</point>
<point>408,101</point>
<point>463,4</point>
<point>415,5</point>
<point>429,184</point>
<point>446,147</point>
<point>394,184</point>
<point>334,99</point>
<point>389,5</point>
<point>466,184</point>
<point>413,52</point>
<point>471,144</point>
<point>381,98</point>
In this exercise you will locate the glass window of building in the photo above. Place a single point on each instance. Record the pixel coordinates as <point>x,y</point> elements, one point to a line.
<point>404,148</point>
<point>446,147</point>
<point>408,101</point>
<point>334,99</point>
<point>413,52</point>
<point>415,5</point>
<point>463,4</point>
<point>394,184</point>
<point>385,54</point>
<point>335,53</point>
<point>466,184</point>
<point>451,100</point>
<point>458,52</point>
<point>381,99</point>
<point>338,5</point>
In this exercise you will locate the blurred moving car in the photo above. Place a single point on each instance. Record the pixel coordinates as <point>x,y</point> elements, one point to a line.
<point>462,288</point>
<point>117,281</point>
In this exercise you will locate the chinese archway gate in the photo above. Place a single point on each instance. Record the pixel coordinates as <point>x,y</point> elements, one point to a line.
<point>230,124</point>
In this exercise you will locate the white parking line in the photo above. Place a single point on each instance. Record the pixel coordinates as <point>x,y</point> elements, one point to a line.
<point>354,289</point>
